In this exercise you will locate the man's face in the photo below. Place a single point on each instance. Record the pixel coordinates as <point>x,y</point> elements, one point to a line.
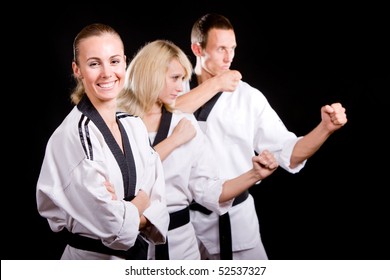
<point>219,52</point>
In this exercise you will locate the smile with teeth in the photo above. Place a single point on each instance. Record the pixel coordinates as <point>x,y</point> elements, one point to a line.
<point>107,85</point>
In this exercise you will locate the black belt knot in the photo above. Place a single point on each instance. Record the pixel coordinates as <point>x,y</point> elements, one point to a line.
<point>225,232</point>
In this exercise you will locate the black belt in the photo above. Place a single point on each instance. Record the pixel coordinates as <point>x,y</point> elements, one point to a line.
<point>225,233</point>
<point>176,219</point>
<point>137,252</point>
<point>197,207</point>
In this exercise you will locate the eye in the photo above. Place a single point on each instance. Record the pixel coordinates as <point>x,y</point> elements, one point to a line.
<point>116,61</point>
<point>93,64</point>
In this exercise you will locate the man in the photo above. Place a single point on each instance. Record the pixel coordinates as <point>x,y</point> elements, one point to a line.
<point>238,125</point>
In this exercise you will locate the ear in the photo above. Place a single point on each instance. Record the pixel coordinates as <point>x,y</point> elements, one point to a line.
<point>76,70</point>
<point>196,49</point>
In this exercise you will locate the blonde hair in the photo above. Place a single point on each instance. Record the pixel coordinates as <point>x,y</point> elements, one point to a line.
<point>145,75</point>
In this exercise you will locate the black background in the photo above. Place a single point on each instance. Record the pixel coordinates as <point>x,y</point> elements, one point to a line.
<point>300,57</point>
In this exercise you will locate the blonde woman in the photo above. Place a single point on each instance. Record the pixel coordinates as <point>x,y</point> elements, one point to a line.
<point>154,80</point>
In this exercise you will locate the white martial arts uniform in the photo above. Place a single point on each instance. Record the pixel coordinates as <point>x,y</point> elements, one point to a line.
<point>191,173</point>
<point>239,124</point>
<point>70,190</point>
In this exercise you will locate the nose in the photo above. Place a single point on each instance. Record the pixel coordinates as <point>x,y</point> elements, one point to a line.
<point>106,72</point>
<point>229,54</point>
<point>179,85</point>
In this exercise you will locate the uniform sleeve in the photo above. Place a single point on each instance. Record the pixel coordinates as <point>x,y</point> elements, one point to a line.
<point>157,212</point>
<point>271,133</point>
<point>205,182</point>
<point>152,181</point>
<point>71,193</point>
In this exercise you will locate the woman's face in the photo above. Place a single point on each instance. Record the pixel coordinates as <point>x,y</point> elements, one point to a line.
<point>173,83</point>
<point>102,67</point>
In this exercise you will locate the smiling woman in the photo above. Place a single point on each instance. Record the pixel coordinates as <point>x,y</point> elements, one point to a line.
<point>95,144</point>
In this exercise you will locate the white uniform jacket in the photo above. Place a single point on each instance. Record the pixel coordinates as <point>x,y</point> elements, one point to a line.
<point>70,190</point>
<point>240,123</point>
<point>191,173</point>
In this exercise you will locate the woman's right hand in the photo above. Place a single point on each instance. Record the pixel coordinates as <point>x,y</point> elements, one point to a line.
<point>183,132</point>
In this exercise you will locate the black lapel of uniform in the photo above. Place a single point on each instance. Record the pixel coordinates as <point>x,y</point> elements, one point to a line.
<point>163,129</point>
<point>125,160</point>
<point>203,112</point>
